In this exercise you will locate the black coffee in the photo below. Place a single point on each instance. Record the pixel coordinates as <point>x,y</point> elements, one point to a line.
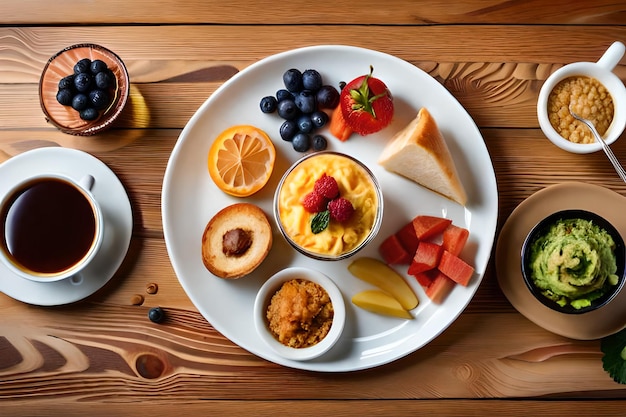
<point>49,226</point>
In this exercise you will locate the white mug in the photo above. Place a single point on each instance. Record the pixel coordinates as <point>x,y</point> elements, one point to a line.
<point>51,227</point>
<point>601,71</point>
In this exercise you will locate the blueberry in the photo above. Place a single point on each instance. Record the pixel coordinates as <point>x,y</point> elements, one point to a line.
<point>104,79</point>
<point>292,78</point>
<point>288,130</point>
<point>305,100</point>
<point>319,143</point>
<point>287,109</point>
<point>268,104</point>
<point>319,119</point>
<point>156,314</point>
<point>64,96</point>
<point>89,114</point>
<point>80,102</point>
<point>82,66</point>
<point>99,99</point>
<point>66,82</point>
<point>311,80</point>
<point>327,97</point>
<point>301,142</point>
<point>82,82</point>
<point>305,125</point>
<point>97,66</point>
<point>283,94</point>
<point>342,84</point>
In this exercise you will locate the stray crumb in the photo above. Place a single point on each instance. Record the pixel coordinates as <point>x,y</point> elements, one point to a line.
<point>152,288</point>
<point>136,300</point>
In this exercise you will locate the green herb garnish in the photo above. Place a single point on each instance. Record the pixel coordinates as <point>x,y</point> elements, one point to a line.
<point>614,359</point>
<point>320,221</point>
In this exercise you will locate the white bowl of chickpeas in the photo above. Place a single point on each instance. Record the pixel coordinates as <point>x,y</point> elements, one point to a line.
<point>594,92</point>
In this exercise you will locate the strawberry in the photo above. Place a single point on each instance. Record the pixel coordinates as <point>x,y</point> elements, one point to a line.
<point>366,104</point>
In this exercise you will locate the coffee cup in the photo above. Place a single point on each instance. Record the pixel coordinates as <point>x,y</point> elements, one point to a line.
<point>51,227</point>
<point>602,72</point>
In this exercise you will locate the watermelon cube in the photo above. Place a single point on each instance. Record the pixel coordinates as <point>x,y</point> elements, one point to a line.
<point>393,253</point>
<point>426,257</point>
<point>407,237</point>
<point>455,268</point>
<point>454,239</point>
<point>427,227</point>
<point>440,288</point>
<point>426,278</point>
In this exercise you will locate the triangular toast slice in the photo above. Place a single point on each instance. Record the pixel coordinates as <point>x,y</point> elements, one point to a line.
<point>419,152</point>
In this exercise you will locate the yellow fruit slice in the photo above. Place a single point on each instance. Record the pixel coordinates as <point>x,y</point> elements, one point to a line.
<point>380,302</point>
<point>384,277</point>
<point>241,160</point>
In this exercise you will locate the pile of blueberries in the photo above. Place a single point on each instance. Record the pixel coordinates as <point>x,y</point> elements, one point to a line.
<point>88,90</point>
<point>301,104</point>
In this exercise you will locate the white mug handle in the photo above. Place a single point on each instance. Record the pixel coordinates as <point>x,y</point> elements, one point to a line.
<point>87,182</point>
<point>612,56</point>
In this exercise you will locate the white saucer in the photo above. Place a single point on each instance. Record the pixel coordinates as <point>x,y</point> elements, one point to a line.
<point>111,195</point>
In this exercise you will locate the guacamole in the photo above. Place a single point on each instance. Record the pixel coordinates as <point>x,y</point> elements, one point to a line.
<point>573,262</point>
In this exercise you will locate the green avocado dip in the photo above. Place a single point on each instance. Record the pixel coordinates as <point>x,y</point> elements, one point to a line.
<point>573,262</point>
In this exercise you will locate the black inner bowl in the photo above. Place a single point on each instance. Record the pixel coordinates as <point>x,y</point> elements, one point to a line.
<point>542,227</point>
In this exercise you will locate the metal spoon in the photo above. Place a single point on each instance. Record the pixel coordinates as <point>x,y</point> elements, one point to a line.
<point>607,150</point>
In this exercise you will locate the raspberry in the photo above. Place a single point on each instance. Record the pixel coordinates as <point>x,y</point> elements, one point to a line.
<point>314,202</point>
<point>326,186</point>
<point>340,209</point>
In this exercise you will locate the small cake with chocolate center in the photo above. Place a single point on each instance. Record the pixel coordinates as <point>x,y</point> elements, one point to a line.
<point>236,240</point>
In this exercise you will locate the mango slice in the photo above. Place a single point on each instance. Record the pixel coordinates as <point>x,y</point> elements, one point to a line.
<point>384,277</point>
<point>380,302</point>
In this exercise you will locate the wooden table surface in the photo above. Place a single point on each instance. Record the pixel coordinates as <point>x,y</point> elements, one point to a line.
<point>90,357</point>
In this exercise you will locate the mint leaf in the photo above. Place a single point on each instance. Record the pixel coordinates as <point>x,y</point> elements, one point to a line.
<point>614,358</point>
<point>320,221</point>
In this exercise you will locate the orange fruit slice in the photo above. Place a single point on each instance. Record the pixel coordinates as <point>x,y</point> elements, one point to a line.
<point>241,160</point>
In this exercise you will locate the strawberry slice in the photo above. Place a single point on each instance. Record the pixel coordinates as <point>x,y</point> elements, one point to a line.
<point>366,104</point>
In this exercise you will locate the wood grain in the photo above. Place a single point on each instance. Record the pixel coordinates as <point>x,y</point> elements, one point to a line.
<point>393,12</point>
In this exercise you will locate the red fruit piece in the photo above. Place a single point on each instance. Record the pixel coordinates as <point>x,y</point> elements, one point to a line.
<point>366,104</point>
<point>454,239</point>
<point>326,186</point>
<point>340,209</point>
<point>426,257</point>
<point>427,227</point>
<point>455,268</point>
<point>393,252</point>
<point>408,238</point>
<point>426,278</point>
<point>439,289</point>
<point>314,202</point>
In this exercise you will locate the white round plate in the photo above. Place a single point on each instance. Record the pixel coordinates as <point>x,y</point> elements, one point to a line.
<point>567,196</point>
<point>111,195</point>
<point>190,199</point>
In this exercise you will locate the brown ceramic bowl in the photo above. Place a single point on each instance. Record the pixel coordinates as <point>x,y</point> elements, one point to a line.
<point>65,118</point>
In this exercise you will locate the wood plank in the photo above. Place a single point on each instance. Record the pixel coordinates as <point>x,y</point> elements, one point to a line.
<point>392,12</point>
<point>115,354</point>
<point>383,408</point>
<point>497,94</point>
